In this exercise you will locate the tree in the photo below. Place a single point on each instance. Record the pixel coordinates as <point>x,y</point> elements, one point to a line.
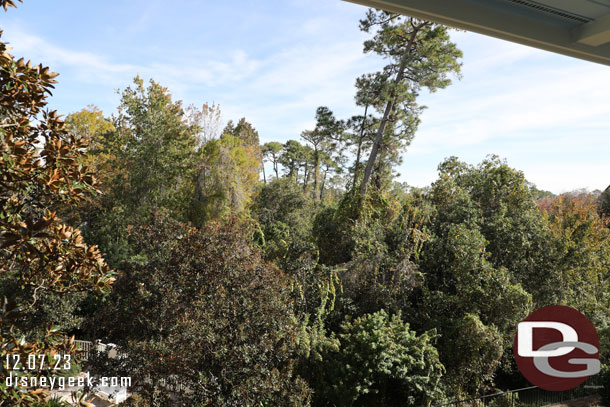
<point>207,119</point>
<point>292,158</point>
<point>329,166</point>
<point>91,125</point>
<point>463,293</point>
<point>271,150</point>
<point>496,199</point>
<point>228,178</point>
<point>323,139</point>
<point>153,162</point>
<point>604,202</point>
<point>421,55</point>
<point>380,362</point>
<point>363,127</point>
<point>245,132</point>
<point>472,353</point>
<point>40,175</point>
<point>200,310</point>
<point>580,245</point>
<point>157,148</point>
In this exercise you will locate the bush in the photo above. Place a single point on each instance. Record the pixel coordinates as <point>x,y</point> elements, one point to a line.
<point>200,310</point>
<point>380,362</point>
<point>505,400</point>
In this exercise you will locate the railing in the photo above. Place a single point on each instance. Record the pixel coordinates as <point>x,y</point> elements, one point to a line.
<point>85,347</point>
<point>530,396</point>
<point>116,395</point>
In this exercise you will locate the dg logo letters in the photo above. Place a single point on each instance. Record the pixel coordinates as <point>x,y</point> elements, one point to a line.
<point>556,348</point>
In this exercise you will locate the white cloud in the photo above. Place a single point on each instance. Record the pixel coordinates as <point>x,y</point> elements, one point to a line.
<point>536,108</point>
<point>548,114</point>
<point>37,49</point>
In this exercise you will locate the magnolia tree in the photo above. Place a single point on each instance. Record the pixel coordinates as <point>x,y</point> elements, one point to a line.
<point>40,175</point>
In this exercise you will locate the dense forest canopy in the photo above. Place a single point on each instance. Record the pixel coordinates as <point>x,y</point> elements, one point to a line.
<point>231,272</point>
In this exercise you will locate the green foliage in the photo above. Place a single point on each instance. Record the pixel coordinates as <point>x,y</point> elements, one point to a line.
<point>505,400</point>
<point>581,256</point>
<point>156,147</point>
<point>202,310</point>
<point>135,401</point>
<point>372,296</point>
<point>479,216</point>
<point>90,125</point>
<point>228,178</point>
<point>293,156</point>
<point>248,135</point>
<point>380,362</point>
<point>243,131</point>
<point>54,401</point>
<point>374,242</point>
<point>604,343</point>
<point>604,202</point>
<point>471,353</point>
<point>40,175</point>
<point>283,212</point>
<point>323,140</point>
<point>494,200</point>
<point>420,55</point>
<point>271,151</point>
<point>148,161</point>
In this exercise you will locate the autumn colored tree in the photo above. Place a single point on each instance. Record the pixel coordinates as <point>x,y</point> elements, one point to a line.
<point>246,132</point>
<point>90,125</point>
<point>604,202</point>
<point>581,256</point>
<point>40,174</point>
<point>207,120</point>
<point>228,178</point>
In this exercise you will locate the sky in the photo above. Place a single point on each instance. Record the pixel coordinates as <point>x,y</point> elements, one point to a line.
<point>275,61</point>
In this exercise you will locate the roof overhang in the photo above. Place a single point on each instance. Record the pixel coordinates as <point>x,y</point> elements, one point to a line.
<point>577,28</point>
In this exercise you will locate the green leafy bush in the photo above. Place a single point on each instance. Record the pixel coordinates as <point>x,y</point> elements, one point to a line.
<point>380,362</point>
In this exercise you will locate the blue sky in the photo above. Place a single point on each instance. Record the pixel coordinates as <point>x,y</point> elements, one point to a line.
<point>275,61</point>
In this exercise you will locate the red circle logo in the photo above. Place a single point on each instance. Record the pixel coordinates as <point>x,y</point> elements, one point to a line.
<point>556,348</point>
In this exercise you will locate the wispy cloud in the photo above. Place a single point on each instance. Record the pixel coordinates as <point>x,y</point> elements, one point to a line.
<point>547,114</point>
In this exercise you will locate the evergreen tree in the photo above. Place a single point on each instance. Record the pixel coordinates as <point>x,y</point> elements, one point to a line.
<point>421,55</point>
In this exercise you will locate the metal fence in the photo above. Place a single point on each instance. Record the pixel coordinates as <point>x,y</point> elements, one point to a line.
<point>530,396</point>
<point>85,347</point>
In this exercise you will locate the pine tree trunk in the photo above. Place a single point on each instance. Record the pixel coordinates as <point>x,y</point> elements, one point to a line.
<point>361,137</point>
<point>387,113</point>
<point>316,175</point>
